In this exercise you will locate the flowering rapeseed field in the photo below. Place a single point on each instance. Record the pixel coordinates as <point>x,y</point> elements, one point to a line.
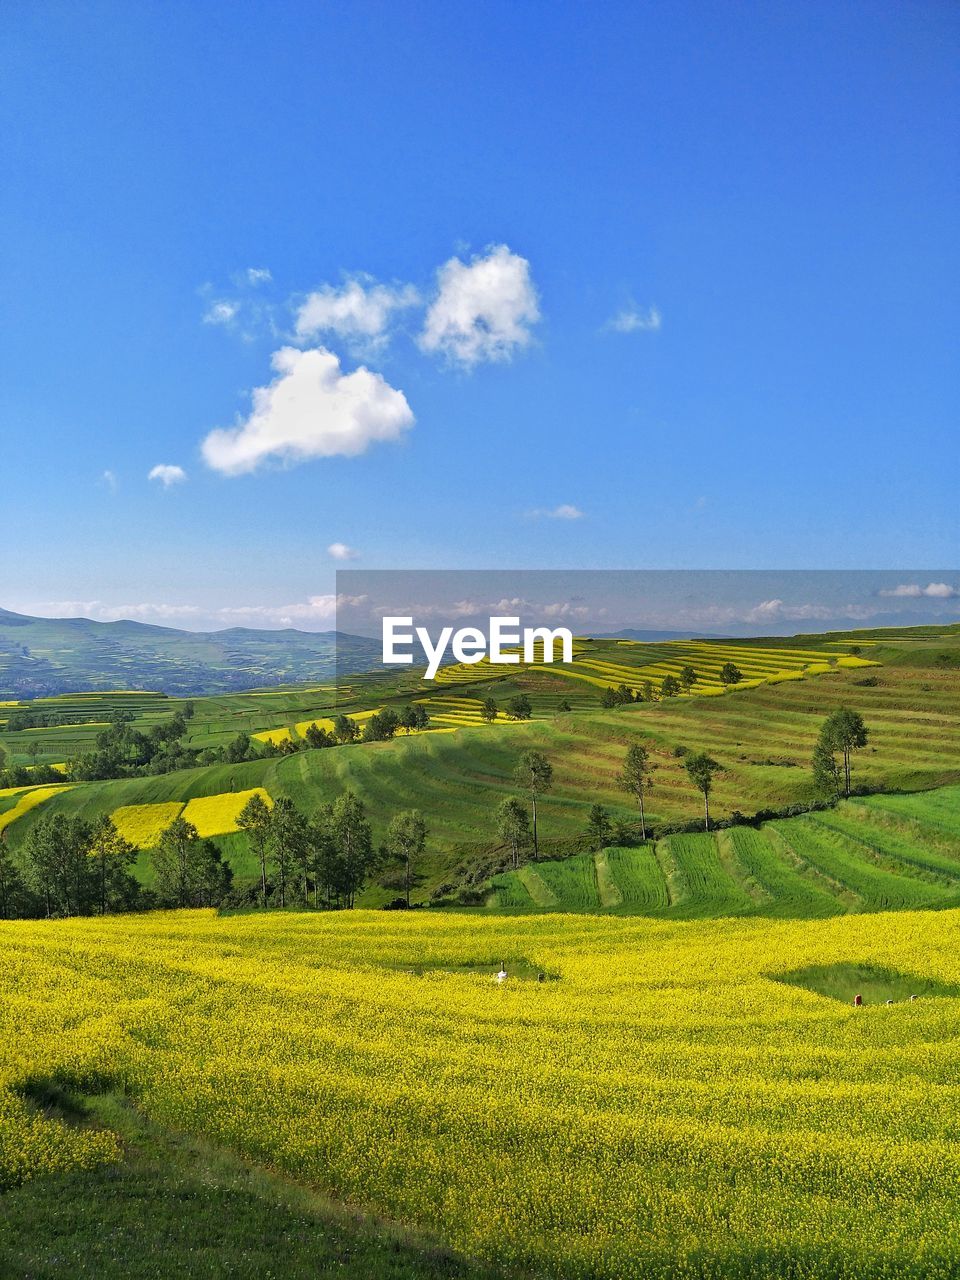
<point>659,1106</point>
<point>144,824</point>
<point>217,815</point>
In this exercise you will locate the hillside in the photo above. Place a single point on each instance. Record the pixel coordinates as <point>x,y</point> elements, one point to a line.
<point>44,656</point>
<point>763,737</point>
<point>876,853</point>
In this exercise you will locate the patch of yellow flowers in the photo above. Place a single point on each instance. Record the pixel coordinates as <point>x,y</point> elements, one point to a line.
<point>659,1107</point>
<point>144,824</point>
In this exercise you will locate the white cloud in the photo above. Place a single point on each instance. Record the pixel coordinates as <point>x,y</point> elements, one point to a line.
<point>340,551</point>
<point>223,311</point>
<point>319,609</point>
<point>110,480</point>
<point>359,310</point>
<point>631,319</point>
<point>565,511</point>
<point>167,475</point>
<point>310,410</point>
<point>257,275</point>
<point>483,309</point>
<point>914,591</point>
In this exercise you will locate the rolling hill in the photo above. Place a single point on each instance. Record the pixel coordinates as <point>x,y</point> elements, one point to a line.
<point>44,656</point>
<point>762,735</point>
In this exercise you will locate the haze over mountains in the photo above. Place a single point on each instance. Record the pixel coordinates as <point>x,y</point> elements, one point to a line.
<point>41,656</point>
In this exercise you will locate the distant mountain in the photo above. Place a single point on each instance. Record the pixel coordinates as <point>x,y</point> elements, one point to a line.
<point>41,656</point>
<point>655,637</point>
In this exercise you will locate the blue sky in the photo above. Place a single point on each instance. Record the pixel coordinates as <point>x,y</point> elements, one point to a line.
<point>612,286</point>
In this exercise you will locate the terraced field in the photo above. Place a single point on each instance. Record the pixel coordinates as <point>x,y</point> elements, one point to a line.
<point>763,737</point>
<point>884,853</point>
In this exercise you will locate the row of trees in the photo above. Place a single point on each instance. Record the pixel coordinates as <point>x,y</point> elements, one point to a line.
<point>669,687</point>
<point>329,857</point>
<point>842,733</point>
<point>70,866</point>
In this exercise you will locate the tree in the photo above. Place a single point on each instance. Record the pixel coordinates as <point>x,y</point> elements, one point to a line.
<point>352,846</point>
<point>513,826</point>
<point>177,864</point>
<point>688,678</point>
<point>254,819</point>
<point>827,773</point>
<point>701,769</point>
<point>599,827</point>
<point>670,687</point>
<point>646,691</point>
<point>315,737</point>
<point>730,673</point>
<point>520,707</point>
<point>624,694</point>
<point>215,875</point>
<point>111,858</point>
<point>406,841</point>
<point>534,772</point>
<point>608,699</point>
<point>489,711</point>
<point>564,705</point>
<point>240,749</point>
<point>345,729</point>
<point>635,778</point>
<point>288,843</point>
<point>843,731</point>
<point>58,866</point>
<point>11,885</point>
<point>382,726</point>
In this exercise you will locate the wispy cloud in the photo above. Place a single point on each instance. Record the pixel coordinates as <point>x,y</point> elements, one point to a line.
<point>565,511</point>
<point>167,475</point>
<point>340,551</point>
<point>222,311</point>
<point>319,610</point>
<point>633,319</point>
<point>914,591</point>
<point>109,479</point>
<point>360,310</point>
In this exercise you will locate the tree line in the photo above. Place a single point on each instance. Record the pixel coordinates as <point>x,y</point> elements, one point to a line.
<point>70,866</point>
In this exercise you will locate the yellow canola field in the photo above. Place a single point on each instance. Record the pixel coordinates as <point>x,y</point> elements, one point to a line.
<point>276,736</point>
<point>326,722</point>
<point>217,815</point>
<point>660,1109</point>
<point>144,824</point>
<point>31,797</point>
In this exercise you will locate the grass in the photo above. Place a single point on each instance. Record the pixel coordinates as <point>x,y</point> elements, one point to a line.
<point>180,1208</point>
<point>763,737</point>
<point>875,984</point>
<point>850,859</point>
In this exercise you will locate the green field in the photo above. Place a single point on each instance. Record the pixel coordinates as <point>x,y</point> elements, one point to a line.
<point>762,736</point>
<point>860,856</point>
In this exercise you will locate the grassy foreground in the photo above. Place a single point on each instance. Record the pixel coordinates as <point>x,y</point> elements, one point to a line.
<point>672,1103</point>
<point>178,1207</point>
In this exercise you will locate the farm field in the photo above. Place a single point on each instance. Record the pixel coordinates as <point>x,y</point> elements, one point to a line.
<point>453,700</point>
<point>883,853</point>
<point>674,1100</point>
<point>763,737</point>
